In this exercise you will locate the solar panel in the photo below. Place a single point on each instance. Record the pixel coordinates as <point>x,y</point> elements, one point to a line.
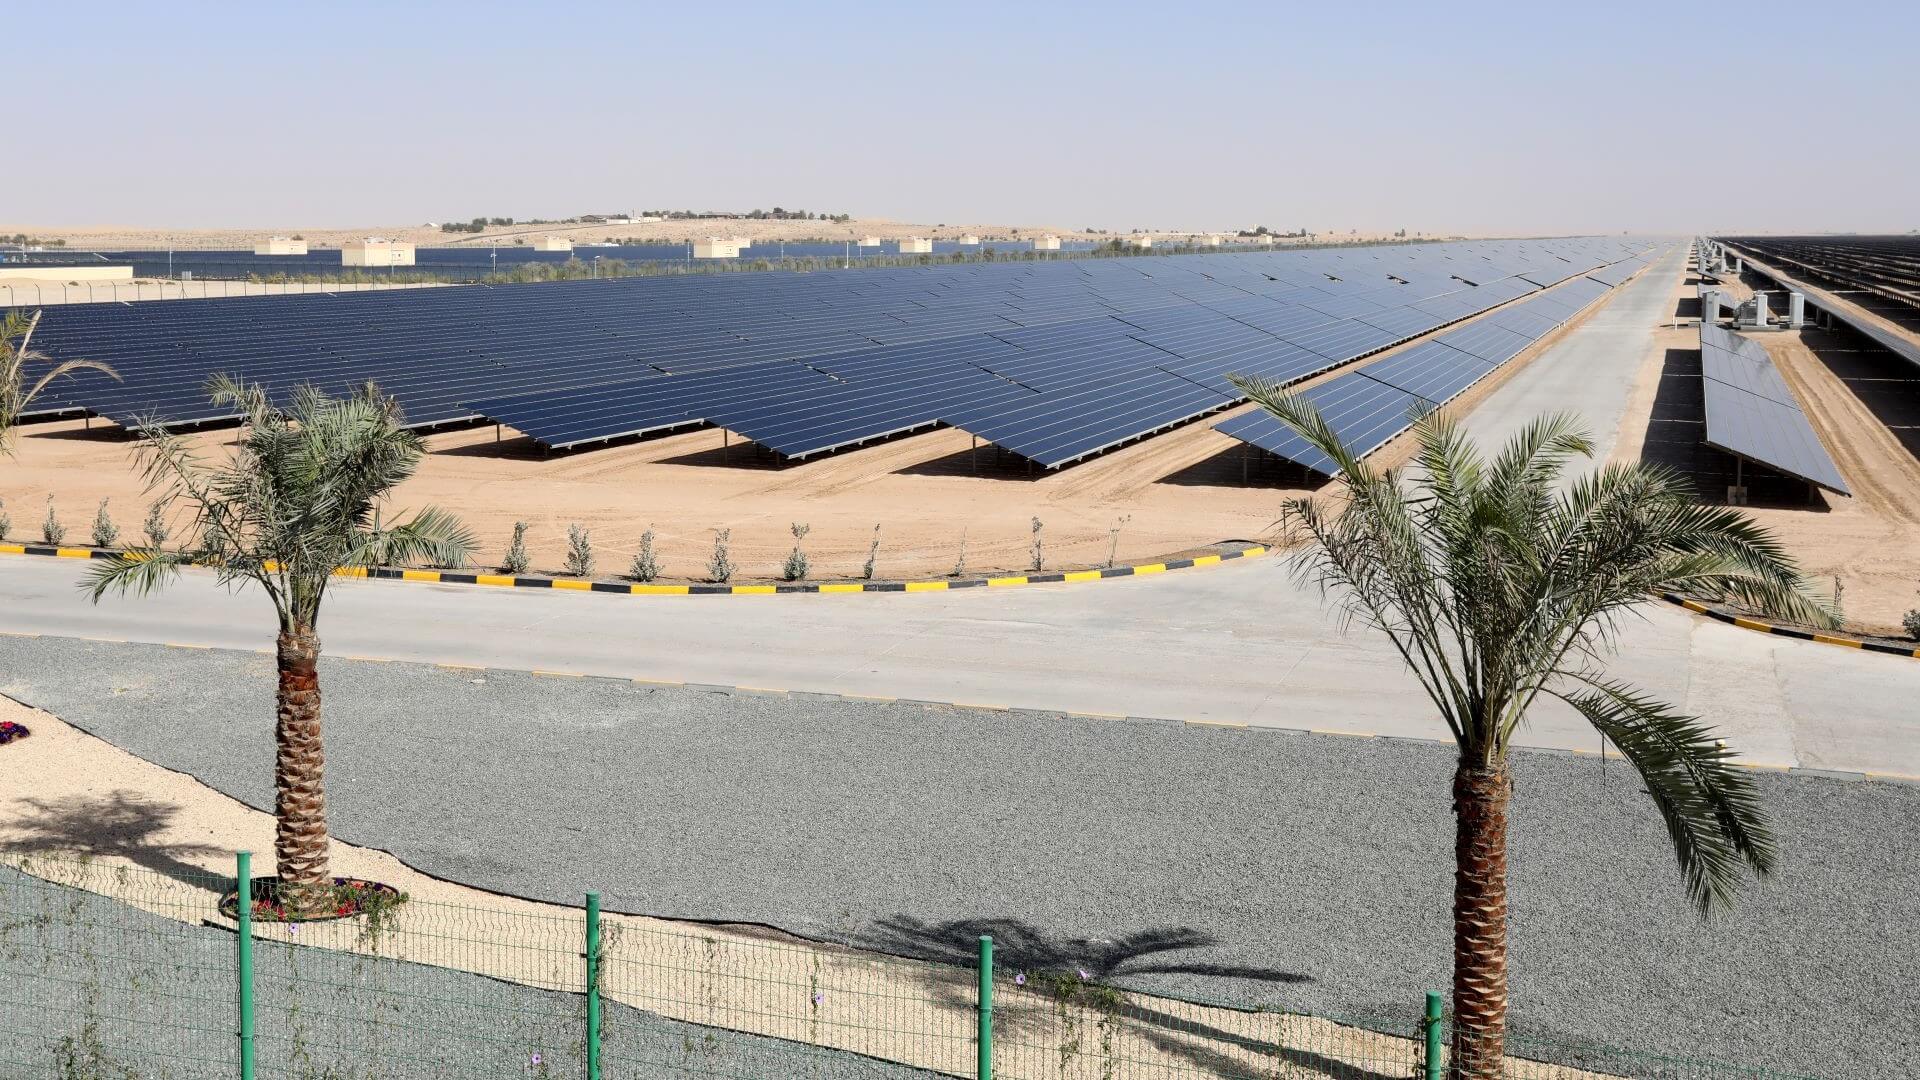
<point>812,361</point>
<point>1766,431</point>
<point>1752,413</point>
<point>1430,371</point>
<point>1365,413</point>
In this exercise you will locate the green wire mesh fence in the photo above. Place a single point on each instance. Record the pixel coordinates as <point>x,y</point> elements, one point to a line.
<point>118,971</point>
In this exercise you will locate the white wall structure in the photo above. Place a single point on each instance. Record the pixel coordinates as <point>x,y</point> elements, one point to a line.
<point>868,241</point>
<point>1046,243</point>
<point>54,275</point>
<point>553,243</point>
<point>376,251</point>
<point>969,240</point>
<point>916,245</point>
<point>280,245</point>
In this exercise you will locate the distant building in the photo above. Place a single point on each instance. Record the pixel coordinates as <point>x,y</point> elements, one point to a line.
<point>376,251</point>
<point>715,248</point>
<point>969,240</point>
<point>868,241</point>
<point>916,245</point>
<point>1046,243</point>
<point>280,245</point>
<point>553,243</point>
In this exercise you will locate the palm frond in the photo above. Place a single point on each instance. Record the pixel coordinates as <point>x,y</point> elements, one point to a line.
<point>1711,807</point>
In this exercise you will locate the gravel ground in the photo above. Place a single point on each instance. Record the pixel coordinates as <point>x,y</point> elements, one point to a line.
<point>96,988</point>
<point>1305,872</point>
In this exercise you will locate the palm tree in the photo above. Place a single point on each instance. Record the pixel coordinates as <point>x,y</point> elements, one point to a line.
<point>293,503</point>
<point>1499,581</point>
<point>16,337</point>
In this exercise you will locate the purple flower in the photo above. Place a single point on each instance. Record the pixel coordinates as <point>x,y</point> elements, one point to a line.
<point>535,1059</point>
<point>1083,974</point>
<point>293,928</point>
<point>1020,979</point>
<point>818,997</point>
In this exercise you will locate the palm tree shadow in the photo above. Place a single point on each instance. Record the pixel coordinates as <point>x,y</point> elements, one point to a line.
<point>1019,946</point>
<point>123,824</point>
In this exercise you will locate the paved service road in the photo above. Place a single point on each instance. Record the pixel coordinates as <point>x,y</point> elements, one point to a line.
<point>1237,643</point>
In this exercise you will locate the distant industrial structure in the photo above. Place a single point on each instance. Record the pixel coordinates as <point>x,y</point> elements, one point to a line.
<point>376,251</point>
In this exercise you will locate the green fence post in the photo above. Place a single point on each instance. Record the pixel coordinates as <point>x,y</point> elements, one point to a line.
<point>243,976</point>
<point>985,1068</point>
<point>1432,1026</point>
<point>593,986</point>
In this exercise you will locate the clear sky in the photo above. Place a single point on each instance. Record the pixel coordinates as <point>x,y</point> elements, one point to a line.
<point>1174,114</point>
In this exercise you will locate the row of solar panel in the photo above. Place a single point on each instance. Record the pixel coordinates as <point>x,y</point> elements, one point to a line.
<point>1751,412</point>
<point>1369,407</point>
<point>1094,383</point>
<point>1056,360</point>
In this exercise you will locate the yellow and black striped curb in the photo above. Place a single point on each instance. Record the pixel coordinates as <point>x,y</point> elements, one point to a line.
<point>455,577</point>
<point>1795,632</point>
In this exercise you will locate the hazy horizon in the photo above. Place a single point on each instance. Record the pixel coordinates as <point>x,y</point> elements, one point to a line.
<point>1483,119</point>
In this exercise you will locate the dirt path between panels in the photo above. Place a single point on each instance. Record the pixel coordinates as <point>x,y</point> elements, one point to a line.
<point>80,812</point>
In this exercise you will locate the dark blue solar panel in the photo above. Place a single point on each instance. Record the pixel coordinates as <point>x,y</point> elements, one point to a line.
<point>1430,371</point>
<point>1365,413</point>
<point>1486,340</point>
<point>811,361</point>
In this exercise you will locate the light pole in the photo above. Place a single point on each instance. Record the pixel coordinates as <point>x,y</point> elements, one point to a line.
<point>493,253</point>
<point>596,265</point>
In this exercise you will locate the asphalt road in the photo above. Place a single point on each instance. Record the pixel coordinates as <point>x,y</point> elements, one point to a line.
<point>1260,867</point>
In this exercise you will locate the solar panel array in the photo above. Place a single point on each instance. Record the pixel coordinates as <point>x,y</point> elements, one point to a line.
<point>1054,361</point>
<point>1752,414</point>
<point>1371,405</point>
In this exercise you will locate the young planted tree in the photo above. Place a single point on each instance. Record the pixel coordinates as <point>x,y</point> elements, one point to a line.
<point>1501,581</point>
<point>646,564</point>
<point>16,337</point>
<point>105,533</point>
<point>291,504</point>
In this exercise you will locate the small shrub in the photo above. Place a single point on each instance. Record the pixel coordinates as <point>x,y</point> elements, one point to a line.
<point>105,533</point>
<point>873,553</point>
<point>579,552</point>
<point>155,527</point>
<point>5,521</point>
<point>1911,623</point>
<point>960,563</point>
<point>720,566</point>
<point>516,560</point>
<point>646,565</point>
<point>1038,551</point>
<point>1113,536</point>
<point>51,531</point>
<point>796,568</point>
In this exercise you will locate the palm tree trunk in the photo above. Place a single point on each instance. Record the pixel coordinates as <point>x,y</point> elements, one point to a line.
<point>300,804</point>
<point>1480,799</point>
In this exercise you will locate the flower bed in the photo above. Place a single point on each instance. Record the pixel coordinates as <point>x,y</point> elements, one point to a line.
<point>10,731</point>
<point>346,898</point>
